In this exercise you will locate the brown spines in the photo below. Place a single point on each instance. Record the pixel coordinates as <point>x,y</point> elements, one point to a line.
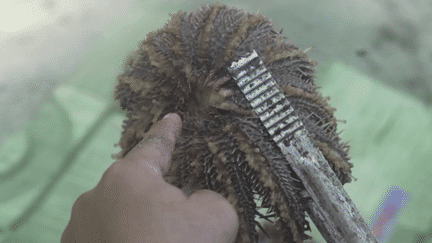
<point>156,60</point>
<point>196,170</point>
<point>213,147</point>
<point>222,158</point>
<point>133,132</point>
<point>286,217</point>
<point>255,159</point>
<point>315,98</point>
<point>282,50</point>
<point>232,190</point>
<point>223,145</point>
<point>275,233</point>
<point>190,30</point>
<point>294,70</point>
<point>203,43</point>
<point>225,25</point>
<point>255,32</point>
<point>228,162</point>
<point>316,118</point>
<point>136,85</point>
<point>174,175</point>
<point>245,23</point>
<point>274,200</point>
<point>267,185</point>
<point>192,169</point>
<point>162,46</point>
<point>279,181</point>
<point>282,45</point>
<point>209,95</point>
<point>335,158</point>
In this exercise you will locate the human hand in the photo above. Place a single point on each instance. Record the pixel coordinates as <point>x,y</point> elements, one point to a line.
<point>133,203</point>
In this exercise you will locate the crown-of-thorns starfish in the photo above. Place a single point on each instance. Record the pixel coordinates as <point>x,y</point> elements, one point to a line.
<point>182,68</point>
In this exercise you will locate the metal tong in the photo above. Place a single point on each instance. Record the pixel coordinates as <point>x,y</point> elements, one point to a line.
<point>330,208</point>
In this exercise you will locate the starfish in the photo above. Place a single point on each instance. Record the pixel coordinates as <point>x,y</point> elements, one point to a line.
<point>182,68</point>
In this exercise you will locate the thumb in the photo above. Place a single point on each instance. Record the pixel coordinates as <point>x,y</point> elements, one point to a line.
<point>214,215</point>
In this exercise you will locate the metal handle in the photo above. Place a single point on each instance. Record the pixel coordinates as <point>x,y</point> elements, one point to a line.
<point>330,207</point>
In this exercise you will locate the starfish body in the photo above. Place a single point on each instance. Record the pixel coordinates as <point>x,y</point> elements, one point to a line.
<point>223,145</point>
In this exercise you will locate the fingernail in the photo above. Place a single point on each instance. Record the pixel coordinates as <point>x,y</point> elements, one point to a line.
<point>166,116</point>
<point>186,190</point>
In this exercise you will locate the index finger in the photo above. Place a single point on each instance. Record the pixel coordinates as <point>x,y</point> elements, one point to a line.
<point>154,151</point>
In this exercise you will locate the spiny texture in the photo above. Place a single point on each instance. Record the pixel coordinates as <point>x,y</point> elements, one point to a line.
<point>224,146</point>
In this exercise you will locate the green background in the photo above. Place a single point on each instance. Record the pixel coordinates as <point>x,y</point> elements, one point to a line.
<point>66,148</point>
